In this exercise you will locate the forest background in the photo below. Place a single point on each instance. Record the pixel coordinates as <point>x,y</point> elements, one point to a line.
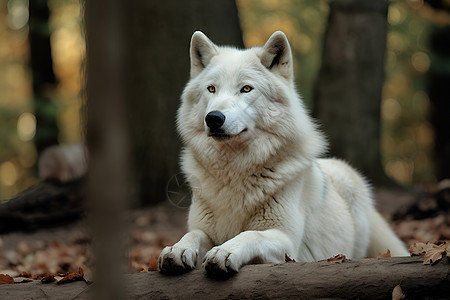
<point>408,137</point>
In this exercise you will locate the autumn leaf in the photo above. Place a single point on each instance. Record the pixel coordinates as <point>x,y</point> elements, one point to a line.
<point>6,279</point>
<point>72,276</point>
<point>288,259</point>
<point>418,248</point>
<point>26,275</point>
<point>397,293</point>
<point>153,264</point>
<point>338,259</point>
<point>387,254</point>
<point>48,278</point>
<point>431,252</point>
<point>22,280</point>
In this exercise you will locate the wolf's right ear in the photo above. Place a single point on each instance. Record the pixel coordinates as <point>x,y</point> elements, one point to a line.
<point>202,50</point>
<point>276,55</point>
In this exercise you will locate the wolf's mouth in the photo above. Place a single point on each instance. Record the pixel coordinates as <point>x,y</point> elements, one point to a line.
<point>221,135</point>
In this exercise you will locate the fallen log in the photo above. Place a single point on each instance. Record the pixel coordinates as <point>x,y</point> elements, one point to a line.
<point>359,278</point>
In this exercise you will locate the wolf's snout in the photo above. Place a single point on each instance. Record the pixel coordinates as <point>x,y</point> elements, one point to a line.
<point>215,119</point>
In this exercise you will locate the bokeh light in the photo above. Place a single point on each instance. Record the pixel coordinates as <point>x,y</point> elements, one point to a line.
<point>8,173</point>
<point>26,126</point>
<point>18,14</point>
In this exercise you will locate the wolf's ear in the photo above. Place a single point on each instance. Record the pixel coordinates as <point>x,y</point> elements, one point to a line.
<point>202,50</point>
<point>276,55</point>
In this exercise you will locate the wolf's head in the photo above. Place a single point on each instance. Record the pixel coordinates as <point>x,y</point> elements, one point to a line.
<point>244,97</point>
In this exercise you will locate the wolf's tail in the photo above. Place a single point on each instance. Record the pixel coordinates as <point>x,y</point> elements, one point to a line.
<point>382,238</point>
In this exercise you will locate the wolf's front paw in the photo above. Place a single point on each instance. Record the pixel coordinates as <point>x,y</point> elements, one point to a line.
<point>220,263</point>
<point>175,260</point>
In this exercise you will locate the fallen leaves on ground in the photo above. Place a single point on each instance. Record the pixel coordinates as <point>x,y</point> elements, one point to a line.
<point>426,230</point>
<point>38,260</point>
<point>338,259</point>
<point>397,293</point>
<point>60,260</point>
<point>432,252</point>
<point>6,279</point>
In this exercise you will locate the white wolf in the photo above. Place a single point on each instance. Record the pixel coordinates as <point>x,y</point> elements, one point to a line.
<point>260,191</point>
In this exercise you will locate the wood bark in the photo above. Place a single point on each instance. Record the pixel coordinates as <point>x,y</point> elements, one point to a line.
<point>46,204</point>
<point>361,278</point>
<point>347,96</point>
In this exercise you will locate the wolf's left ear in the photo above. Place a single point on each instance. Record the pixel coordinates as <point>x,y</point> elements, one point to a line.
<point>276,55</point>
<point>202,50</point>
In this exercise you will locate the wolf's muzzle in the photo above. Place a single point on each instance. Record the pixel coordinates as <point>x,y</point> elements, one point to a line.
<point>214,120</point>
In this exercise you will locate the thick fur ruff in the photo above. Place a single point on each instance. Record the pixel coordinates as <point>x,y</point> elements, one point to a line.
<point>260,190</point>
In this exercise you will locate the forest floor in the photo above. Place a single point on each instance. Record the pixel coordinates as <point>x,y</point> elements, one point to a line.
<point>58,252</point>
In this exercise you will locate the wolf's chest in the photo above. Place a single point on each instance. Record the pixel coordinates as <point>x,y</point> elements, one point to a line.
<point>227,214</point>
<point>225,227</point>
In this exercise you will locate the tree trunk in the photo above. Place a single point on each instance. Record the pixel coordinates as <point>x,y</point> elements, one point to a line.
<point>348,91</point>
<point>107,137</point>
<point>439,92</point>
<point>157,36</point>
<point>43,75</point>
<point>353,279</point>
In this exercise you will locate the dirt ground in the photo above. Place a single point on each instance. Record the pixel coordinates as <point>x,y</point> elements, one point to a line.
<point>58,251</point>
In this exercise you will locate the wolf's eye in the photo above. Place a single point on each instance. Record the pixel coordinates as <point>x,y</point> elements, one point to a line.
<point>211,89</point>
<point>246,89</point>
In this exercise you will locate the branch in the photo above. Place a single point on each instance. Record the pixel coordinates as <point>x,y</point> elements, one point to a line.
<point>359,278</point>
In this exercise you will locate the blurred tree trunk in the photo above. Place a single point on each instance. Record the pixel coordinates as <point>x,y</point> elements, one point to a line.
<point>157,36</point>
<point>108,180</point>
<point>348,90</point>
<point>43,76</point>
<point>439,92</point>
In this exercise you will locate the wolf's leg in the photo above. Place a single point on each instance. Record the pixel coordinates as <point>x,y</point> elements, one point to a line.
<point>269,246</point>
<point>183,256</point>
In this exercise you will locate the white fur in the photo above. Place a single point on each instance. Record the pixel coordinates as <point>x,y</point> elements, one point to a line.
<point>264,191</point>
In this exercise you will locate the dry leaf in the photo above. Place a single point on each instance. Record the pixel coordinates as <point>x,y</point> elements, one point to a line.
<point>397,293</point>
<point>288,259</point>
<point>338,259</point>
<point>22,280</point>
<point>387,254</point>
<point>26,275</point>
<point>6,279</point>
<point>48,278</point>
<point>153,264</point>
<point>418,248</point>
<point>432,252</point>
<point>72,276</point>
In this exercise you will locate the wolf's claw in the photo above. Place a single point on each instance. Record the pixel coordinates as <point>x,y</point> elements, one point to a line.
<point>175,260</point>
<point>218,264</point>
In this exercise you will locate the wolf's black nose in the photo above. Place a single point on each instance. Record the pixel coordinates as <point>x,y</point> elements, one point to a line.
<point>215,119</point>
